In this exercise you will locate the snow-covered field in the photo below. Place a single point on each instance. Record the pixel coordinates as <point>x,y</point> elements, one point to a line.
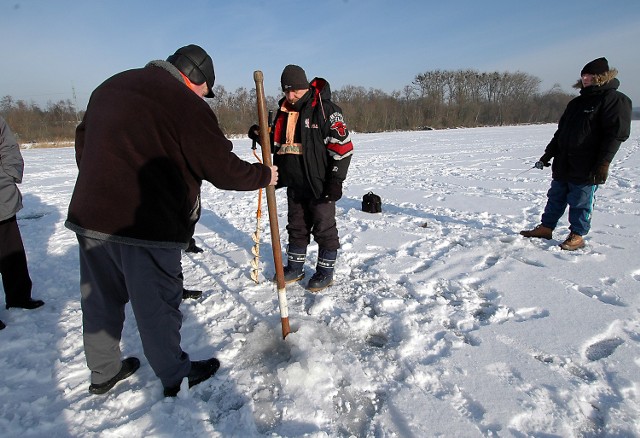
<point>443,321</point>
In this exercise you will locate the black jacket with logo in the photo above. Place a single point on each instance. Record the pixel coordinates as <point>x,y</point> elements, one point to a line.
<point>327,147</point>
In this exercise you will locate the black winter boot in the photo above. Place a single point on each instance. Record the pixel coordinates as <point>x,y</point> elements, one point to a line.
<point>129,366</point>
<point>324,270</point>
<point>28,304</point>
<point>294,271</point>
<point>200,371</point>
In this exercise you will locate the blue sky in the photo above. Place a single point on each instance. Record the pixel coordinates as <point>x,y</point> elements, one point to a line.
<point>51,47</point>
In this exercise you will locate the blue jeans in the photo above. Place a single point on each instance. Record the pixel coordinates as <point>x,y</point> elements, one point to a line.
<point>580,199</point>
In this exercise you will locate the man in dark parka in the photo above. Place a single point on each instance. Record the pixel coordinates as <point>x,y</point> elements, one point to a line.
<point>590,132</point>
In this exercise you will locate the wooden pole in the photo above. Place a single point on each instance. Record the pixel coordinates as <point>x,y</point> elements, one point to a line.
<point>265,143</point>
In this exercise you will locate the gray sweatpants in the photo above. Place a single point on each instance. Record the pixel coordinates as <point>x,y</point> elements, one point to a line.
<point>112,274</point>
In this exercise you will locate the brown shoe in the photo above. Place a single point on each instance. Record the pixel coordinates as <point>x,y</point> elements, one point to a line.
<point>540,231</point>
<point>573,242</point>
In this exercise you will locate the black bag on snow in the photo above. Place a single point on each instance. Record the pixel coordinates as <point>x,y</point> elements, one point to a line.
<point>371,203</point>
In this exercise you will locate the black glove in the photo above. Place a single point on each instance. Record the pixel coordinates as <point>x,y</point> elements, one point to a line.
<point>332,191</point>
<point>254,133</point>
<point>599,176</point>
<point>540,165</point>
<point>543,162</point>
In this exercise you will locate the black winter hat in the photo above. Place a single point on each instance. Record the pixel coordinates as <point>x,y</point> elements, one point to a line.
<point>293,78</point>
<point>596,67</point>
<point>195,64</point>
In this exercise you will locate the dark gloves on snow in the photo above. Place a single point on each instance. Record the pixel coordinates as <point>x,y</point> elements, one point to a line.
<point>332,191</point>
<point>601,173</point>
<point>254,133</point>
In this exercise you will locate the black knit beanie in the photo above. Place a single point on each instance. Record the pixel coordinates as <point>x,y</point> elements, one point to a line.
<point>596,67</point>
<point>195,64</point>
<point>293,78</point>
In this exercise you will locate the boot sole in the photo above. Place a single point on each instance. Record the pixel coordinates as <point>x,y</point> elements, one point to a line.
<point>295,280</point>
<point>571,248</point>
<point>537,237</point>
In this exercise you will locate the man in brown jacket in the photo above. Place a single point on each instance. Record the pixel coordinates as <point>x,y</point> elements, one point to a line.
<point>145,144</point>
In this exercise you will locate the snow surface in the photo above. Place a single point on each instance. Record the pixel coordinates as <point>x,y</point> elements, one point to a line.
<point>443,321</point>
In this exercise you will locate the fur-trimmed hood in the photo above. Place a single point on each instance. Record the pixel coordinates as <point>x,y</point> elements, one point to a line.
<point>600,79</point>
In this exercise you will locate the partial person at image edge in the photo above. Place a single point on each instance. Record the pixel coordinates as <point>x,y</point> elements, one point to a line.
<point>16,280</point>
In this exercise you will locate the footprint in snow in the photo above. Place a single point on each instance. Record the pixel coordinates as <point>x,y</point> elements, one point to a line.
<point>509,239</point>
<point>608,281</point>
<point>603,348</point>
<point>529,313</point>
<point>596,293</point>
<point>33,216</point>
<point>488,262</point>
<point>601,295</point>
<point>566,365</point>
<point>377,340</point>
<point>530,262</point>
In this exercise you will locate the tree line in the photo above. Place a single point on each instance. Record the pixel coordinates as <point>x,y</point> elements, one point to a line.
<point>435,99</point>
<point>30,123</point>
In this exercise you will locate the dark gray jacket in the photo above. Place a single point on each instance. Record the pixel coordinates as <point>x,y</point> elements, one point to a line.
<point>12,166</point>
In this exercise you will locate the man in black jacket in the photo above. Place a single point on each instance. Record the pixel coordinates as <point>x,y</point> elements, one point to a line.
<point>145,144</point>
<point>589,134</point>
<point>313,150</point>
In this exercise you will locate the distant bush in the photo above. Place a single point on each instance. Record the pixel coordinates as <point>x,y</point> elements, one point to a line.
<point>30,123</point>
